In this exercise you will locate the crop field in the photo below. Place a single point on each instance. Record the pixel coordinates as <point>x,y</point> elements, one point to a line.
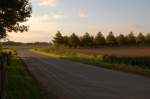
<point>115,51</point>
<point>119,52</point>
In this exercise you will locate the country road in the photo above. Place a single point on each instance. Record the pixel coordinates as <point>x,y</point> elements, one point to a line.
<point>72,80</point>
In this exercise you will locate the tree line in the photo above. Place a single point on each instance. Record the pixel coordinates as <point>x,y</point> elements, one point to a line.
<point>99,40</point>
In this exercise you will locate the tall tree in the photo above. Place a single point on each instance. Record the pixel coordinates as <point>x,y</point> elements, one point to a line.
<point>110,39</point>
<point>87,40</point>
<point>66,40</point>
<point>74,40</point>
<point>147,39</point>
<point>131,39</point>
<point>99,39</point>
<point>58,39</point>
<point>12,13</point>
<point>121,39</point>
<point>140,39</point>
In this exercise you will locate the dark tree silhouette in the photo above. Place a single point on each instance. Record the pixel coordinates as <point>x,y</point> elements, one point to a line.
<point>99,40</point>
<point>111,40</point>
<point>12,13</point>
<point>140,39</point>
<point>121,40</point>
<point>131,39</point>
<point>87,40</point>
<point>147,39</point>
<point>58,39</point>
<point>66,40</point>
<point>74,40</point>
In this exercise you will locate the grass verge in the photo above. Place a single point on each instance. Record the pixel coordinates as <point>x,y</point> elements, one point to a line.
<point>97,61</point>
<point>20,84</point>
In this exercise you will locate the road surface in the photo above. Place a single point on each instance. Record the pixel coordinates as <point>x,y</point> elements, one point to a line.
<point>72,80</point>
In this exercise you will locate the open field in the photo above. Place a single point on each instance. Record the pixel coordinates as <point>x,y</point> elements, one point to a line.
<point>117,51</point>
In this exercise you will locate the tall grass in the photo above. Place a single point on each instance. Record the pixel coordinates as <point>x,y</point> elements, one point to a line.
<point>20,84</point>
<point>5,60</point>
<point>138,61</point>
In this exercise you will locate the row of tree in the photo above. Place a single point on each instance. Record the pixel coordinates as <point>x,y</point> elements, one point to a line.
<point>99,40</point>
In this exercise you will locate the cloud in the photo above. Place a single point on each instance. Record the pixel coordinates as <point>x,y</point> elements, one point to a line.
<point>47,2</point>
<point>45,23</point>
<point>58,16</point>
<point>83,14</point>
<point>32,36</point>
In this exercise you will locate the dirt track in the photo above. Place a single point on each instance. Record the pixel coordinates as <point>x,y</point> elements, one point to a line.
<point>72,80</point>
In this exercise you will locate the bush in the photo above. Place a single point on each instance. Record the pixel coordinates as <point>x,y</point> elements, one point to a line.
<point>5,57</point>
<point>139,61</point>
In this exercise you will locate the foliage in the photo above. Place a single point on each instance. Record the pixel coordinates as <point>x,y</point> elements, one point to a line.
<point>147,39</point>
<point>58,39</point>
<point>139,61</point>
<point>20,84</point>
<point>131,39</point>
<point>86,40</point>
<point>121,39</point>
<point>74,40</point>
<point>140,39</point>
<point>66,40</point>
<point>111,40</point>
<point>99,39</point>
<point>5,56</point>
<point>12,13</point>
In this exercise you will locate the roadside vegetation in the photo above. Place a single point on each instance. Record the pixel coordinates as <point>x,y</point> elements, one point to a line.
<point>5,56</point>
<point>19,82</point>
<point>136,65</point>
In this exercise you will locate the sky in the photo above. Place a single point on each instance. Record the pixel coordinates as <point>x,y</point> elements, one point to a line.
<point>80,16</point>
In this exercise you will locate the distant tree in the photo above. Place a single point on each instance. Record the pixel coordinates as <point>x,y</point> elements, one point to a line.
<point>121,40</point>
<point>58,39</point>
<point>140,39</point>
<point>87,40</point>
<point>74,40</point>
<point>12,13</point>
<point>147,39</point>
<point>110,39</point>
<point>66,40</point>
<point>131,39</point>
<point>99,40</point>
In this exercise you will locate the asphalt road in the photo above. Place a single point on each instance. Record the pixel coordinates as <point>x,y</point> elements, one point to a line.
<point>72,80</point>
